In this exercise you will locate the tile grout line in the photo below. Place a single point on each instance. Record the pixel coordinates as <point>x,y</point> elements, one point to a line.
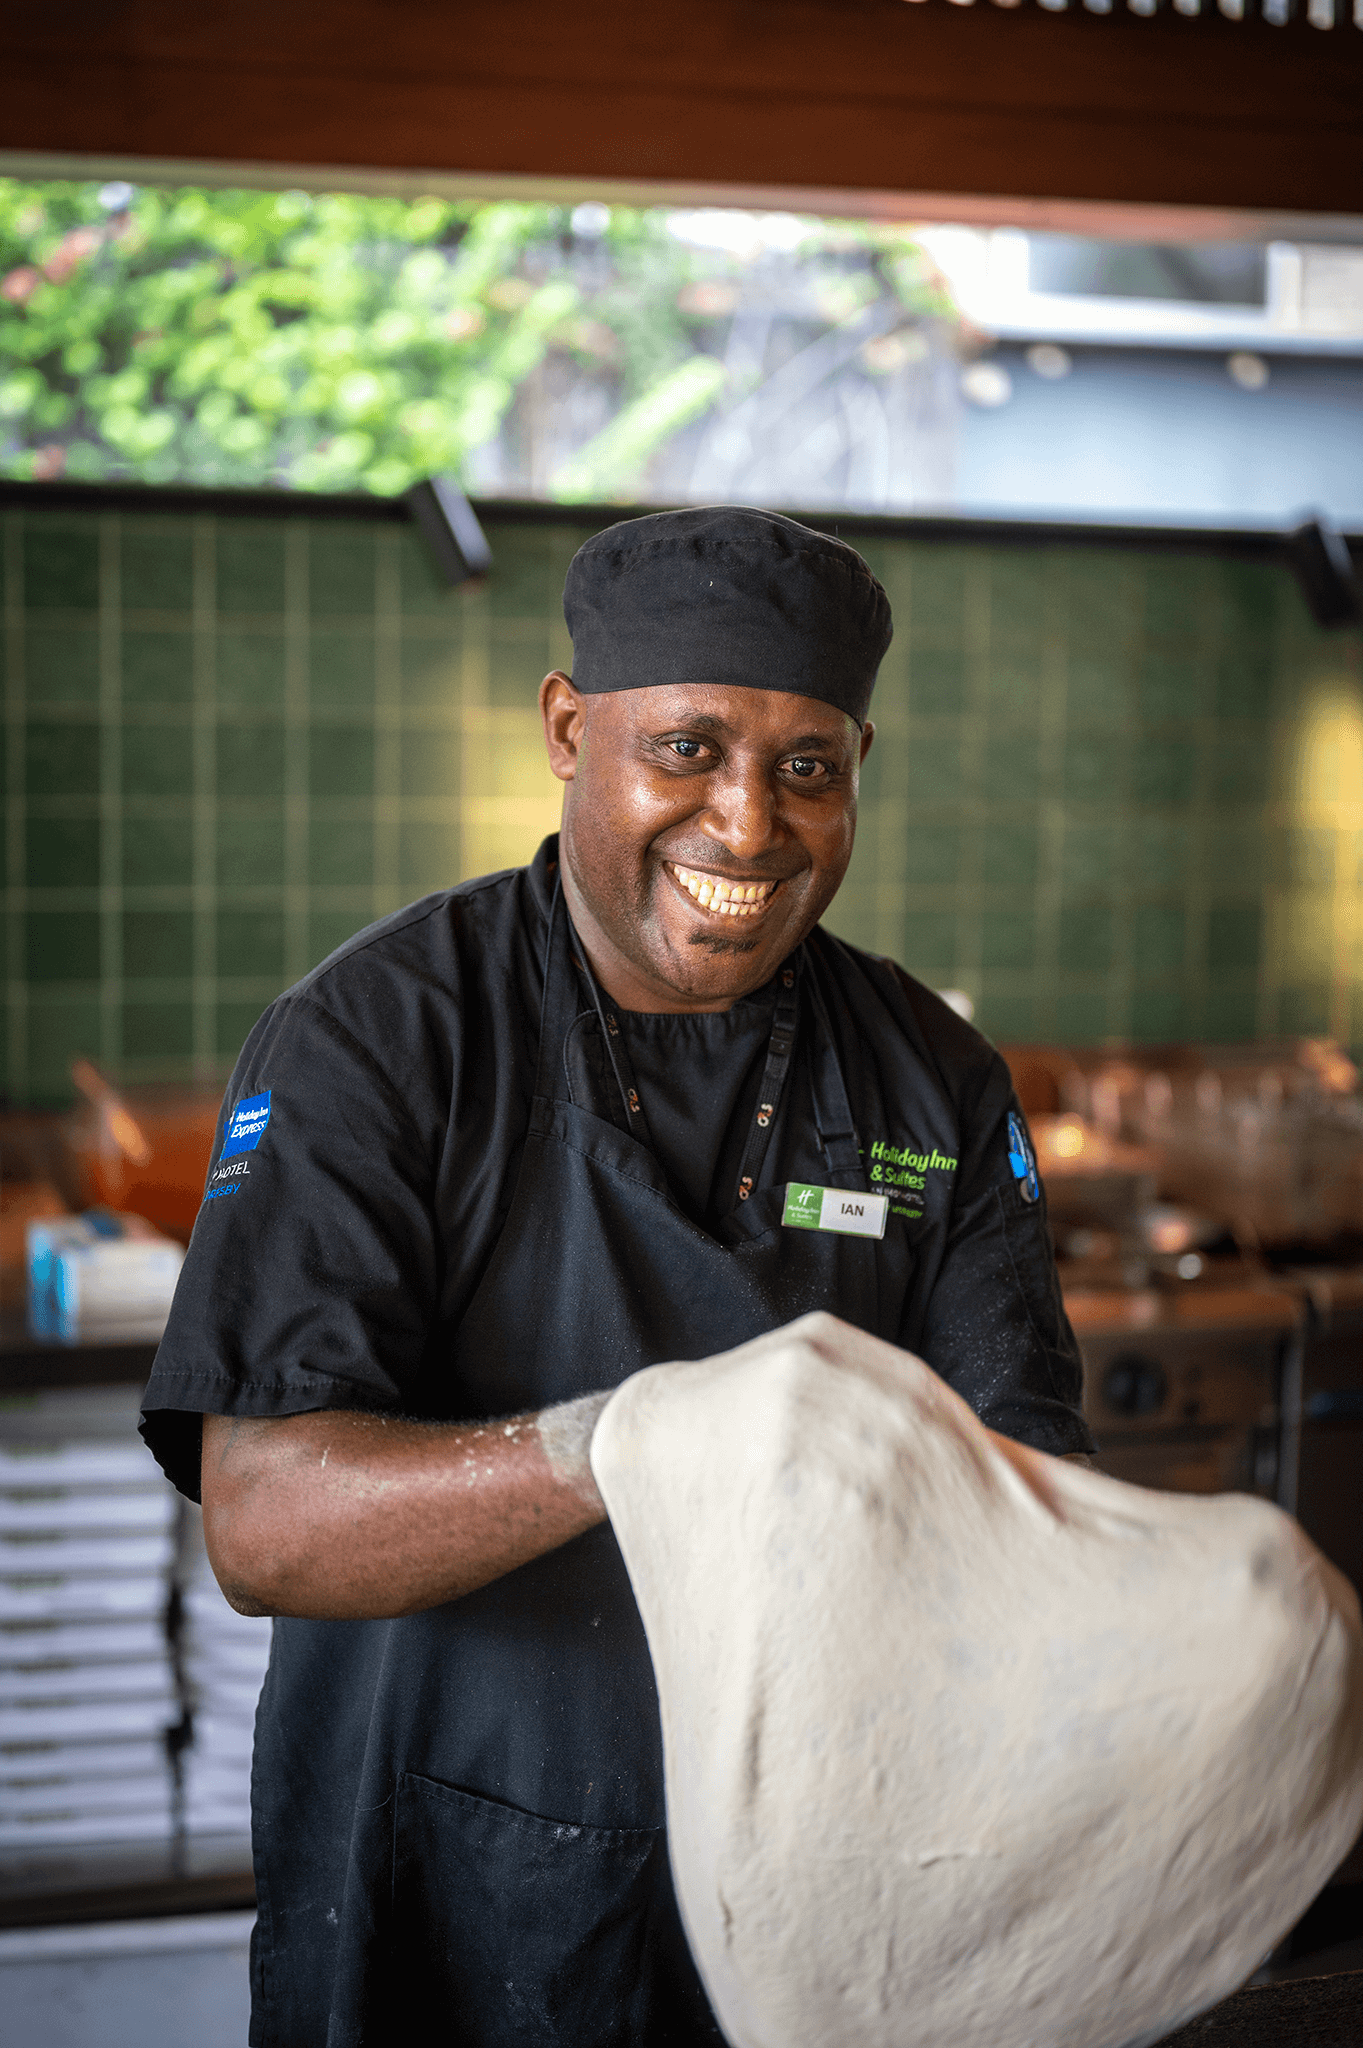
<point>204,997</point>
<point>474,677</point>
<point>297,949</point>
<point>388,724</point>
<point>111,988</point>
<point>1201,824</point>
<point>977,648</point>
<point>1351,906</point>
<point>1275,812</point>
<point>1344,919</point>
<point>16,871</point>
<point>1052,719</point>
<point>892,820</point>
<point>1121,971</point>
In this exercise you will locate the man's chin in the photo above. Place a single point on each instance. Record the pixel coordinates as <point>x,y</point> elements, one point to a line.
<point>715,942</point>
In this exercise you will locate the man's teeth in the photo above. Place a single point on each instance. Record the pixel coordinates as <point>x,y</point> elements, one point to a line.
<point>730,899</point>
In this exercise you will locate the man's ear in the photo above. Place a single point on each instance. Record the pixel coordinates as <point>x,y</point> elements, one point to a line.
<point>868,733</point>
<point>564,711</point>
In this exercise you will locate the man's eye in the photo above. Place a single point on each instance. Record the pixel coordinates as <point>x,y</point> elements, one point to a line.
<point>688,749</point>
<point>802,764</point>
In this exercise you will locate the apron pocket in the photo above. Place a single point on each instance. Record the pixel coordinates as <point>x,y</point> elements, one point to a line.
<point>510,1928</point>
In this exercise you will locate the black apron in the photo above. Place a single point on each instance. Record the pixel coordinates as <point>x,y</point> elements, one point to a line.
<point>531,1899</point>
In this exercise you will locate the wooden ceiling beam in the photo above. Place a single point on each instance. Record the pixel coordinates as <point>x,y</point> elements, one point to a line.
<point>841,95</point>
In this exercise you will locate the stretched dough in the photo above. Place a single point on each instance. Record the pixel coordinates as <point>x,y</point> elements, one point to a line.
<point>967,1747</point>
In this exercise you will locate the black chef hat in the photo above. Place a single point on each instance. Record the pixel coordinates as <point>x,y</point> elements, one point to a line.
<point>725,594</point>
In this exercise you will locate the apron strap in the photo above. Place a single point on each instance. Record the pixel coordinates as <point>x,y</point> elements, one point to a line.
<point>780,1047</point>
<point>560,1003</point>
<point>561,1014</point>
<point>613,1038</point>
<point>832,1108</point>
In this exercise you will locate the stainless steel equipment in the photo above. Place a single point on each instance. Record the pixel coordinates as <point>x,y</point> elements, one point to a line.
<point>1330,1493</point>
<point>1195,1391</point>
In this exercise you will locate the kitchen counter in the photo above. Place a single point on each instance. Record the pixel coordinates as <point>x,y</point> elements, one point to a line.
<point>27,1366</point>
<point>126,1881</point>
<point>1254,1302</point>
<point>1195,1388</point>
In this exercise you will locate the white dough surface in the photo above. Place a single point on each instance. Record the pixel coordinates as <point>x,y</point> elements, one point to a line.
<point>967,1747</point>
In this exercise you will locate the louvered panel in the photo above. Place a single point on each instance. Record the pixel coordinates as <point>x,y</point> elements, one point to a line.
<point>1322,14</point>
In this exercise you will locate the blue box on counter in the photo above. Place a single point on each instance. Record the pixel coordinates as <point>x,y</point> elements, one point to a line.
<point>99,1278</point>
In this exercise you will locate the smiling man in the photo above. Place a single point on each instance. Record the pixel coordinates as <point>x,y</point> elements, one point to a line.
<point>501,1151</point>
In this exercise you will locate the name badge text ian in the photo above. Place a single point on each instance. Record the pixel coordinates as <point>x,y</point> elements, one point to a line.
<point>843,1209</point>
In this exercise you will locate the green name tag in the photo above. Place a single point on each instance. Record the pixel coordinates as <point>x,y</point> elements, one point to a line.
<point>844,1209</point>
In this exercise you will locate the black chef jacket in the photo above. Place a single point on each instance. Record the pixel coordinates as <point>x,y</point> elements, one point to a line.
<point>447,1804</point>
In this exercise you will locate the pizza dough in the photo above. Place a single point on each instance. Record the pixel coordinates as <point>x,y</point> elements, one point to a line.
<point>967,1747</point>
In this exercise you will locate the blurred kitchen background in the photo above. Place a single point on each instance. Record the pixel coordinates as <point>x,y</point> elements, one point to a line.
<point>1115,807</point>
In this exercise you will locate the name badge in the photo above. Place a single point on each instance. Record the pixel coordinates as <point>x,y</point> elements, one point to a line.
<point>844,1209</point>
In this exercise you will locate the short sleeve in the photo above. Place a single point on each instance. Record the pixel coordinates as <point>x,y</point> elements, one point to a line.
<point>312,1275</point>
<point>996,1328</point>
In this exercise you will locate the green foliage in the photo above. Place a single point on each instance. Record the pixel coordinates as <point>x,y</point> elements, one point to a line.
<point>338,342</point>
<point>623,447</point>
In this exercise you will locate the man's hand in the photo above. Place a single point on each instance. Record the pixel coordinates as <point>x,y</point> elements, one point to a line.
<point>344,1516</point>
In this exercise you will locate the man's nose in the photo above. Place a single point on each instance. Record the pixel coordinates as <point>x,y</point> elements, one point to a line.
<point>742,812</point>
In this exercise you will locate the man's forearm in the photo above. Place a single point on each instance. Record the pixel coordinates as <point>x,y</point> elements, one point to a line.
<point>340,1515</point>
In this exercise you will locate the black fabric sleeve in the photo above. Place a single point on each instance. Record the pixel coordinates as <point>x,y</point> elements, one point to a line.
<point>311,1279</point>
<point>996,1328</point>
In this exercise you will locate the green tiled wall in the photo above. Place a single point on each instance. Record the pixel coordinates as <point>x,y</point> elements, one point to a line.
<point>1112,794</point>
<point>1115,795</point>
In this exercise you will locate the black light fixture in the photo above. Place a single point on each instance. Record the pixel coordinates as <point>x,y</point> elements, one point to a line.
<point>449,526</point>
<point>1325,570</point>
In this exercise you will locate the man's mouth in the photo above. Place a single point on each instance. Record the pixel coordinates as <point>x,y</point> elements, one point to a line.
<point>724,899</point>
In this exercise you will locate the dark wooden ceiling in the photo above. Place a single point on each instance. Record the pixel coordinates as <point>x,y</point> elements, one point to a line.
<point>844,95</point>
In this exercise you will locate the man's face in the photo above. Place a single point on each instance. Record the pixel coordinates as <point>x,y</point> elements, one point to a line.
<point>705,831</point>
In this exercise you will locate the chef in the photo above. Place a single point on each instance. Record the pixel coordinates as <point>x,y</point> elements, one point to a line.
<point>528,1135</point>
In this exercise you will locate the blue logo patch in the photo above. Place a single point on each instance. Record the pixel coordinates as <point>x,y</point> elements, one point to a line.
<point>248,1126</point>
<point>1022,1159</point>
